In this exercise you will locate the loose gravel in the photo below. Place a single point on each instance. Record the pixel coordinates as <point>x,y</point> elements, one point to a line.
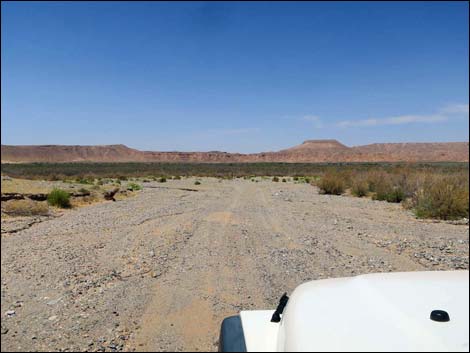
<point>159,271</point>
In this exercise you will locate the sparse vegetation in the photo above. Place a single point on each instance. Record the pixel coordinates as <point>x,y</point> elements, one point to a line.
<point>59,198</point>
<point>85,180</point>
<point>84,191</point>
<point>414,185</point>
<point>134,187</point>
<point>25,208</point>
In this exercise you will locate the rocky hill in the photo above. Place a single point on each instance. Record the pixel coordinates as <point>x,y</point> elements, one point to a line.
<point>308,151</point>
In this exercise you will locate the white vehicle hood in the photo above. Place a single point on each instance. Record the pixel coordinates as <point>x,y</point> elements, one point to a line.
<point>375,312</point>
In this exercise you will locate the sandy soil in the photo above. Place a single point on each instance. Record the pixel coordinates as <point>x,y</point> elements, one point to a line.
<point>159,271</point>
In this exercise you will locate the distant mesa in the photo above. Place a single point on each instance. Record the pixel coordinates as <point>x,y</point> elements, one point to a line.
<point>310,151</point>
<point>318,145</point>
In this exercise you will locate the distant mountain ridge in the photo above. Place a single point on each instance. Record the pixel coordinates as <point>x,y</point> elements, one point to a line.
<point>310,151</point>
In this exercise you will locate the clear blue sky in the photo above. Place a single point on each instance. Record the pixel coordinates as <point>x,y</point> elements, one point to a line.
<point>245,77</point>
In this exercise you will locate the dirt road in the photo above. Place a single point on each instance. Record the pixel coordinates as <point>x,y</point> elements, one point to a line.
<point>159,271</point>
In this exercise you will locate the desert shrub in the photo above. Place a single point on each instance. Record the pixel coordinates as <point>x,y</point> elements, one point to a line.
<point>162,180</point>
<point>410,183</point>
<point>59,198</point>
<point>307,180</point>
<point>100,182</point>
<point>296,178</point>
<point>442,198</point>
<point>359,187</point>
<point>332,183</point>
<point>25,208</point>
<point>387,191</point>
<point>197,182</point>
<point>397,195</point>
<point>284,180</point>
<point>145,169</point>
<point>276,179</point>
<point>375,179</point>
<point>84,191</point>
<point>134,187</point>
<point>176,177</point>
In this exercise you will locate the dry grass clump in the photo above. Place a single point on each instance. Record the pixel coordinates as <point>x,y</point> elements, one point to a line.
<point>389,191</point>
<point>332,183</point>
<point>442,197</point>
<point>375,178</point>
<point>359,187</point>
<point>25,208</point>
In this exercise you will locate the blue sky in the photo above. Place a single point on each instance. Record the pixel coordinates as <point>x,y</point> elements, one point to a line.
<point>238,77</point>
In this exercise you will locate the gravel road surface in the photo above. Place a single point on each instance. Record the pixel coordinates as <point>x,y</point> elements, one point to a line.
<point>159,271</point>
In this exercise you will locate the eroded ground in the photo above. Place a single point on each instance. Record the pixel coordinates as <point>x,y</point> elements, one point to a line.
<point>159,271</point>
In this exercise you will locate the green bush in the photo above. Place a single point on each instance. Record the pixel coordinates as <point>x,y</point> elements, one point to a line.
<point>162,180</point>
<point>296,178</point>
<point>284,180</point>
<point>332,184</point>
<point>134,187</point>
<point>59,198</point>
<point>276,179</point>
<point>197,182</point>
<point>442,198</point>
